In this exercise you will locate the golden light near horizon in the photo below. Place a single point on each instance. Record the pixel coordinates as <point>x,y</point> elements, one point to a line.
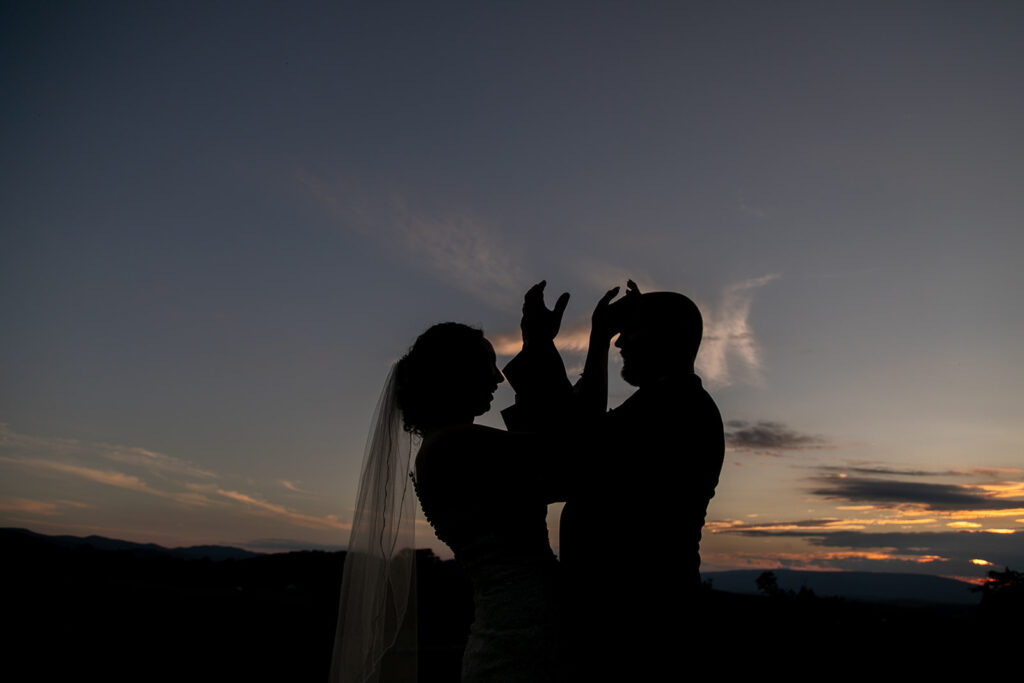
<point>981,563</point>
<point>1009,489</point>
<point>983,514</point>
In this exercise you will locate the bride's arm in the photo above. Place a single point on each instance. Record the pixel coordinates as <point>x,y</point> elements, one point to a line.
<point>537,374</point>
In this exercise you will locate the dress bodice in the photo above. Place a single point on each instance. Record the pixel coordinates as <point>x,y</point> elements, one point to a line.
<point>492,533</point>
<point>495,521</point>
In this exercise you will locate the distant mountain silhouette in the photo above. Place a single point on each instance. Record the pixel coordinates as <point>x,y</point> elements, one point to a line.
<point>867,586</point>
<point>195,552</point>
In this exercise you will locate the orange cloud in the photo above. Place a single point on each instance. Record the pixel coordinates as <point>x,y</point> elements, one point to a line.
<point>30,507</point>
<point>985,514</point>
<point>281,512</point>
<point>109,478</point>
<point>572,338</point>
<point>812,560</point>
<point>1010,489</point>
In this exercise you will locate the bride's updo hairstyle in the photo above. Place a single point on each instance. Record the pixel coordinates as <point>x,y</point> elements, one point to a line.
<point>432,377</point>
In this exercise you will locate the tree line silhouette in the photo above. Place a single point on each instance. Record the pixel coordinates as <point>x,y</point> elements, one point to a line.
<point>145,614</point>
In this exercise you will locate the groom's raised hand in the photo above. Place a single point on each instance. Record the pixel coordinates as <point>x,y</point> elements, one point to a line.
<point>538,323</point>
<point>606,321</point>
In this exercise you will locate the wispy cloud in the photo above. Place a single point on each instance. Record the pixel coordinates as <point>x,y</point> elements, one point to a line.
<point>48,447</point>
<point>281,512</point>
<point>113,478</point>
<point>153,461</point>
<point>34,462</point>
<point>883,470</point>
<point>452,245</point>
<point>769,438</point>
<point>729,340</point>
<point>292,486</point>
<point>814,559</point>
<point>573,339</point>
<point>960,546</point>
<point>26,506</point>
<point>886,492</point>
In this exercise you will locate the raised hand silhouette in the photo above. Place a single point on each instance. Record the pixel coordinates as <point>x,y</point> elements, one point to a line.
<point>539,324</point>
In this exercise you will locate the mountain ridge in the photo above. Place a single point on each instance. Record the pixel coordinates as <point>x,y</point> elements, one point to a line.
<point>893,587</point>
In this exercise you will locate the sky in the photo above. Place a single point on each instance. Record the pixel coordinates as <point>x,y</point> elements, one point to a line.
<point>223,221</point>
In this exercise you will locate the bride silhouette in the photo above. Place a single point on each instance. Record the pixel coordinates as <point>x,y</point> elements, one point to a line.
<point>484,492</point>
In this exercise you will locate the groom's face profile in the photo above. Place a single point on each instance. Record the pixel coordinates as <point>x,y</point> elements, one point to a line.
<point>637,347</point>
<point>659,335</point>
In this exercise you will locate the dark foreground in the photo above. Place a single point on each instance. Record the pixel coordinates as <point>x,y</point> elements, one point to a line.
<point>146,614</point>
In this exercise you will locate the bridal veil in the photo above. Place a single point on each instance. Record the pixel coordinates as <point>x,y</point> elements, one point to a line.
<point>375,641</point>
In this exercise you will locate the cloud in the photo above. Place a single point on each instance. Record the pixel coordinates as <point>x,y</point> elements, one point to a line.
<point>573,338</point>
<point>293,487</point>
<point>1009,489</point>
<point>142,471</point>
<point>847,560</point>
<point>153,461</point>
<point>107,478</point>
<point>451,245</point>
<point>281,512</point>
<point>886,471</point>
<point>997,472</point>
<point>769,438</point>
<point>26,506</point>
<point>890,493</point>
<point>48,447</point>
<point>734,526</point>
<point>959,546</point>
<point>728,337</point>
<point>821,524</point>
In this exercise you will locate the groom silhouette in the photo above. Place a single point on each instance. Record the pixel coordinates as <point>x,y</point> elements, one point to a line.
<point>637,480</point>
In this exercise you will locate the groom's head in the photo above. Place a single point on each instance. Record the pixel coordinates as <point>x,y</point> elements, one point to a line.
<point>659,335</point>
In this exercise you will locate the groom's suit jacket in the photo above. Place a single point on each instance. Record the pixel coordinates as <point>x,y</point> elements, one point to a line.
<point>636,481</point>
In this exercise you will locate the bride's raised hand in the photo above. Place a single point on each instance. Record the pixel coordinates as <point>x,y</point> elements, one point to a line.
<point>538,323</point>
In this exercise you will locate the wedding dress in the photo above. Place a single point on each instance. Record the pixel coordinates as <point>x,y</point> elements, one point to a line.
<point>492,516</point>
<point>495,521</point>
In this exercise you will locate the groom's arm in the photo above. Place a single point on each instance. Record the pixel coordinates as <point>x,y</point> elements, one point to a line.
<point>592,388</point>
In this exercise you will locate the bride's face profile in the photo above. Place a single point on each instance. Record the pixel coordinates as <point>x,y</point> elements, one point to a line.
<point>484,379</point>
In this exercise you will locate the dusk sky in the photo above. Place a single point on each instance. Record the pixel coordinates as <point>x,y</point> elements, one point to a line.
<point>223,221</point>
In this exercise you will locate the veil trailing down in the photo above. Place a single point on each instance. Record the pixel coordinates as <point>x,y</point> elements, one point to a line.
<point>375,641</point>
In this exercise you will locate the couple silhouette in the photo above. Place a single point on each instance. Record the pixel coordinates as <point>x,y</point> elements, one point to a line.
<point>623,599</point>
